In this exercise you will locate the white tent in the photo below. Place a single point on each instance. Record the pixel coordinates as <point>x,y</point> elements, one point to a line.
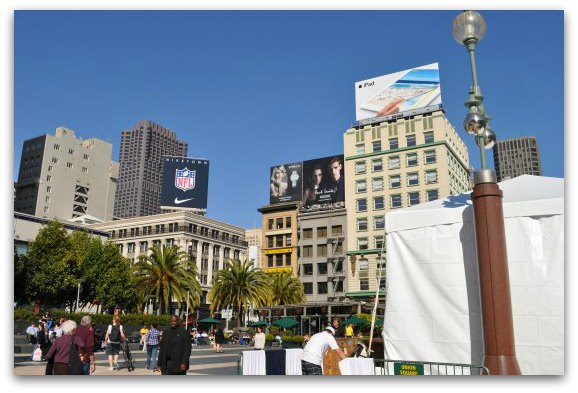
<point>433,303</point>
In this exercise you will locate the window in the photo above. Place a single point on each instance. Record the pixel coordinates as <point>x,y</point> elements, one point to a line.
<point>378,203</point>
<point>411,159</point>
<point>379,242</point>
<point>307,233</point>
<point>413,198</point>
<point>377,165</point>
<point>49,189</point>
<point>288,240</point>
<point>432,195</point>
<point>410,139</point>
<point>143,246</point>
<point>359,149</point>
<point>363,274</point>
<point>279,260</point>
<point>322,250</point>
<point>46,209</point>
<point>84,169</point>
<point>56,147</point>
<point>430,156</point>
<point>69,164</point>
<point>287,222</point>
<point>360,186</point>
<point>322,232</point>
<point>376,145</point>
<point>364,284</point>
<point>279,241</point>
<point>428,137</point>
<point>412,179</point>
<point>379,222</point>
<point>47,199</point>
<point>270,241</point>
<point>270,224</point>
<point>287,259</point>
<point>394,162</point>
<point>307,269</point>
<point>378,184</point>
<point>321,288</point>
<point>362,205</point>
<point>308,288</point>
<point>393,144</point>
<point>322,268</point>
<point>50,168</point>
<point>362,224</point>
<point>395,181</point>
<point>131,248</point>
<point>279,223</point>
<point>71,151</point>
<point>431,176</point>
<point>360,167</point>
<point>269,260</point>
<point>86,157</point>
<point>48,178</point>
<point>307,251</point>
<point>339,286</point>
<point>395,201</point>
<point>54,160</point>
<point>362,243</point>
<point>337,230</point>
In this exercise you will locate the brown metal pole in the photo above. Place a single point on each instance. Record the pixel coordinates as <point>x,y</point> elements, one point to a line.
<point>500,351</point>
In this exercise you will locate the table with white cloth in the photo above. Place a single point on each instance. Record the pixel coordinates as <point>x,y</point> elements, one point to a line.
<point>255,362</point>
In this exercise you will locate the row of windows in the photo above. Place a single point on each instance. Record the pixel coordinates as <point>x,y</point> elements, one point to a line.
<point>144,247</point>
<point>278,223</point>
<point>410,140</point>
<point>411,159</point>
<point>336,230</point>
<point>277,241</point>
<point>378,223</point>
<point>412,179</point>
<point>321,250</point>
<point>322,268</point>
<point>70,151</point>
<point>279,260</point>
<point>321,287</point>
<point>395,200</point>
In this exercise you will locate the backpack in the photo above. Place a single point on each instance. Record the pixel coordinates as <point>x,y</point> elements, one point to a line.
<point>74,363</point>
<point>114,336</point>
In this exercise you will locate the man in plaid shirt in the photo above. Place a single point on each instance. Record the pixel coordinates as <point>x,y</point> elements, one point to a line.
<point>152,343</point>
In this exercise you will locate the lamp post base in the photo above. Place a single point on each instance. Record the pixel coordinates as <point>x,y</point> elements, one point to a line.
<point>502,364</point>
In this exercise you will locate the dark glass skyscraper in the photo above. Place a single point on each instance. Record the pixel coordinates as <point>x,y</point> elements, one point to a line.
<point>517,156</point>
<point>142,149</point>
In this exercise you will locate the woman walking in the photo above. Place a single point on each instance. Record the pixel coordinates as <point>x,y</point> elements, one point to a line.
<point>114,336</point>
<point>59,352</point>
<point>219,340</point>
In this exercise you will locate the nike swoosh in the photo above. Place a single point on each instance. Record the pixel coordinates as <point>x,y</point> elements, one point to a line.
<point>178,201</point>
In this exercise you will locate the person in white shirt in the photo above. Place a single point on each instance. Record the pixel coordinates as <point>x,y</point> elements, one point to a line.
<point>314,351</point>
<point>259,339</point>
<point>32,333</point>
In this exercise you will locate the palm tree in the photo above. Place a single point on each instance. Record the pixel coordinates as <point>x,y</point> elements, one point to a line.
<point>168,273</point>
<point>286,289</point>
<point>238,285</point>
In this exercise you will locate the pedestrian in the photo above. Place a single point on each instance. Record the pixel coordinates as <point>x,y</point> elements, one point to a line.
<point>259,339</point>
<point>339,330</point>
<point>349,331</point>
<point>43,339</point>
<point>152,343</point>
<point>59,354</point>
<point>143,334</point>
<point>32,333</point>
<point>219,340</point>
<point>174,349</point>
<point>113,337</point>
<point>57,331</point>
<point>85,332</point>
<point>315,349</point>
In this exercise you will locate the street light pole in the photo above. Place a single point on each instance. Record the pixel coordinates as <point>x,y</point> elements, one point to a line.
<point>499,345</point>
<point>77,298</point>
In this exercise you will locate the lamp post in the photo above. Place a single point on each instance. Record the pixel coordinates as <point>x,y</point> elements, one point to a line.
<point>499,347</point>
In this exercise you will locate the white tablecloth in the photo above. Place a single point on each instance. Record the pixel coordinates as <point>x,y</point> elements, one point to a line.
<point>254,363</point>
<point>293,361</point>
<point>357,366</point>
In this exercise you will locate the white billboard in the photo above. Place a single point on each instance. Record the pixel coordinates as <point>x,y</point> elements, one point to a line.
<point>398,92</point>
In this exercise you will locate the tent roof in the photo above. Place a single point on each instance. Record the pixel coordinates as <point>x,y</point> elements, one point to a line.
<point>524,195</point>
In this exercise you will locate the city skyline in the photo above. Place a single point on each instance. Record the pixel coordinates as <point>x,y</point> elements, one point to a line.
<point>248,101</point>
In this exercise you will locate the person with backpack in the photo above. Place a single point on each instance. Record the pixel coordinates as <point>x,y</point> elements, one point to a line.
<point>114,336</point>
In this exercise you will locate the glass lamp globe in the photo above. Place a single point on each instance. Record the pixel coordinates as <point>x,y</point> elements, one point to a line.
<point>474,123</point>
<point>489,138</point>
<point>469,25</point>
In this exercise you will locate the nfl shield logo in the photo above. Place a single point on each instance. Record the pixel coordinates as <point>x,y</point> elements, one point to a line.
<point>185,179</point>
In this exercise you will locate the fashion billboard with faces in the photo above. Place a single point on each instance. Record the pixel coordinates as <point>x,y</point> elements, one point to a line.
<point>285,183</point>
<point>398,92</point>
<point>185,182</point>
<point>323,183</point>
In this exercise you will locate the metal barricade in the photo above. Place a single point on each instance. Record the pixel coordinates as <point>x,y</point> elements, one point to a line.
<point>408,367</point>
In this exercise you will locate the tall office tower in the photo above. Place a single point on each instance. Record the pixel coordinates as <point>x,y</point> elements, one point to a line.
<point>65,177</point>
<point>517,156</point>
<point>397,163</point>
<point>254,241</point>
<point>141,168</point>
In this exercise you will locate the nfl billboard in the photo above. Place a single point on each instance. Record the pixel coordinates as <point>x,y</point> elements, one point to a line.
<point>323,183</point>
<point>286,183</point>
<point>398,92</point>
<point>185,183</point>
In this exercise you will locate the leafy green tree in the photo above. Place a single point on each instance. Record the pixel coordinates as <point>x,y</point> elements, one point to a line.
<point>239,285</point>
<point>21,274</point>
<point>168,274</point>
<point>286,289</point>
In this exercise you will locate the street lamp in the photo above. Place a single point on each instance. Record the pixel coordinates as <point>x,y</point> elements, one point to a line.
<point>499,347</point>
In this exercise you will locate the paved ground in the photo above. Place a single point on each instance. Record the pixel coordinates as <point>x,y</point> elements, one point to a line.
<point>204,361</point>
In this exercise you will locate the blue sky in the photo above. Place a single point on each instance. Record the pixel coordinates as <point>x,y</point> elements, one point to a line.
<point>252,89</point>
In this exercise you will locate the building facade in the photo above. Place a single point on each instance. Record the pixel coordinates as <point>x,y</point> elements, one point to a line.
<point>517,156</point>
<point>254,237</point>
<point>279,238</point>
<point>322,260</point>
<point>62,176</point>
<point>391,165</point>
<point>209,243</point>
<point>141,167</point>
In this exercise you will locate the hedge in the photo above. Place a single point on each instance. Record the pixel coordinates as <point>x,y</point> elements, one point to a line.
<point>24,315</point>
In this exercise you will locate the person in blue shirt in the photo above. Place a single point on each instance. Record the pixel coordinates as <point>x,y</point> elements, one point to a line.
<point>152,343</point>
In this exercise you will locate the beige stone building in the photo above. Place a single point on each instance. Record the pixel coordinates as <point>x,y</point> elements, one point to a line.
<point>395,164</point>
<point>254,238</point>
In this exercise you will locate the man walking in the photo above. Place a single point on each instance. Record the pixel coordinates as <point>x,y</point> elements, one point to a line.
<point>314,351</point>
<point>152,345</point>
<point>174,349</point>
<point>84,331</point>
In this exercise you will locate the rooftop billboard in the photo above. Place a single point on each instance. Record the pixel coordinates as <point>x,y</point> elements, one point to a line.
<point>185,183</point>
<point>285,183</point>
<point>398,92</point>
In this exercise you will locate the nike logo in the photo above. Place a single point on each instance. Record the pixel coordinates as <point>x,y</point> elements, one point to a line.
<point>179,201</point>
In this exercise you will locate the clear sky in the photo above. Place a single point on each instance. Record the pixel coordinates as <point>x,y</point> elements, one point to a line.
<point>251,89</point>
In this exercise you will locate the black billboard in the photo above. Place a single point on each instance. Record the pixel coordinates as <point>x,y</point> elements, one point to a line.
<point>185,182</point>
<point>285,183</point>
<point>323,183</point>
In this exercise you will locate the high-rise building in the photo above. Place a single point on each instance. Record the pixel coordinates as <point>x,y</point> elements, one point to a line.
<point>62,176</point>
<point>400,162</point>
<point>279,238</point>
<point>515,157</point>
<point>254,242</point>
<point>141,168</point>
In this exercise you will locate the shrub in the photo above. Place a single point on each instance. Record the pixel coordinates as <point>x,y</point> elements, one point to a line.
<point>298,339</point>
<point>269,337</point>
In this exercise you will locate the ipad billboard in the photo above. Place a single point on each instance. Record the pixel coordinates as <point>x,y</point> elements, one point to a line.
<point>185,183</point>
<point>398,92</point>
